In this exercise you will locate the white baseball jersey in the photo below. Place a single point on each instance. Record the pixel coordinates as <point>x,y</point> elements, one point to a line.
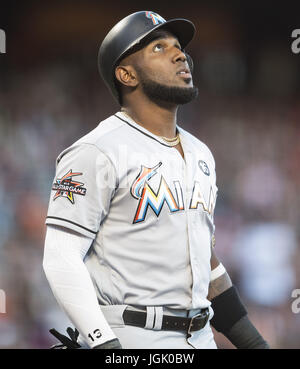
<point>148,210</point>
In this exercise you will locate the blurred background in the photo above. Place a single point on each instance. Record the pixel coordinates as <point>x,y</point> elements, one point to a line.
<point>247,112</point>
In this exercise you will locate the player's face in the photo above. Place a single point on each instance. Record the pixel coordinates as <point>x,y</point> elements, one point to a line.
<point>165,62</point>
<point>163,71</point>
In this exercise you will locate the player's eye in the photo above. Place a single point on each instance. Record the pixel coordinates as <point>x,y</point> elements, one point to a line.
<point>157,48</point>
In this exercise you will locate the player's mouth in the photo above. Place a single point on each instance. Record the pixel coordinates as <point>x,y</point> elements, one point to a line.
<point>184,72</point>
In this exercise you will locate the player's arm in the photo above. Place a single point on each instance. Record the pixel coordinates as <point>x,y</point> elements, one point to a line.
<point>72,285</point>
<point>73,222</point>
<point>230,315</point>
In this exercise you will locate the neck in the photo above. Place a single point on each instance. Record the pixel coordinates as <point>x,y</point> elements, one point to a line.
<point>157,119</point>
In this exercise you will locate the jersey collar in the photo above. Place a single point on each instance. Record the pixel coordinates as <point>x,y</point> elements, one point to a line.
<point>143,130</point>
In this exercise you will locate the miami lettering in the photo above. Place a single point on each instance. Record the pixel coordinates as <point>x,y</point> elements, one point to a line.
<point>148,198</point>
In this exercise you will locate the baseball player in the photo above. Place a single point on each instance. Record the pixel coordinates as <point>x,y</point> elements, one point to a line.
<point>129,250</point>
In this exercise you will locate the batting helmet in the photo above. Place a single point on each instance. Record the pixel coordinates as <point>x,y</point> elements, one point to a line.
<point>128,33</point>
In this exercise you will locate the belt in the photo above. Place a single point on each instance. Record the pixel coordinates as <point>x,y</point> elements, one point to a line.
<point>169,322</point>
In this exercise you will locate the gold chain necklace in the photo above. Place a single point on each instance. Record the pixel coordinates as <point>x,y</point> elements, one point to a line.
<point>169,141</point>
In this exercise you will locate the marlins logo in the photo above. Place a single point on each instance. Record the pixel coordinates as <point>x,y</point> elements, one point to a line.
<point>156,18</point>
<point>142,191</point>
<point>66,187</point>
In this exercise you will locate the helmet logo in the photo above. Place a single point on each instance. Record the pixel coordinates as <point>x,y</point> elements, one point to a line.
<point>156,18</point>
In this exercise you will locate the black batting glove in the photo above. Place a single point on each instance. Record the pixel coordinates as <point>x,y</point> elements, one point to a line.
<point>66,342</point>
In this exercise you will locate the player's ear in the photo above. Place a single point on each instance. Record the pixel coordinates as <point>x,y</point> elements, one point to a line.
<point>126,75</point>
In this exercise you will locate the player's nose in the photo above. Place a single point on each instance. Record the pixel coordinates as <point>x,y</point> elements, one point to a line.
<point>179,55</point>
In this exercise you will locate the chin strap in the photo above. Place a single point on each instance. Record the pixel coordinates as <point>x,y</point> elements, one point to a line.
<point>190,62</point>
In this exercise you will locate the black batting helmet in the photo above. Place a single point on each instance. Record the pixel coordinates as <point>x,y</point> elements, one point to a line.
<point>129,32</point>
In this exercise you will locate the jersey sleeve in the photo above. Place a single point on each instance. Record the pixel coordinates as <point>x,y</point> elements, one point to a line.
<point>84,184</point>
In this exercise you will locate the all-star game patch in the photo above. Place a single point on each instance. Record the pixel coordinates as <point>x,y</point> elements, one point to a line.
<point>67,187</point>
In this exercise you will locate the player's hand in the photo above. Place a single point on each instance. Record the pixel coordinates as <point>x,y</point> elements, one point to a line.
<point>109,345</point>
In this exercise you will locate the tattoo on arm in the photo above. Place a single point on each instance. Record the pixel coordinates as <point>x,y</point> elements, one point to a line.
<point>219,285</point>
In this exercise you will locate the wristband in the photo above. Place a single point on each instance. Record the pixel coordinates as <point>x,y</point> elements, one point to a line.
<point>113,344</point>
<point>228,309</point>
<point>217,272</point>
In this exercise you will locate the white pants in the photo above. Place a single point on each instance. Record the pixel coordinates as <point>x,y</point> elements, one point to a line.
<point>132,337</point>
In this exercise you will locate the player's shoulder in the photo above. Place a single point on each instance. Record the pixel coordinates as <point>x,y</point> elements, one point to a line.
<point>105,132</point>
<point>97,140</point>
<point>197,144</point>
